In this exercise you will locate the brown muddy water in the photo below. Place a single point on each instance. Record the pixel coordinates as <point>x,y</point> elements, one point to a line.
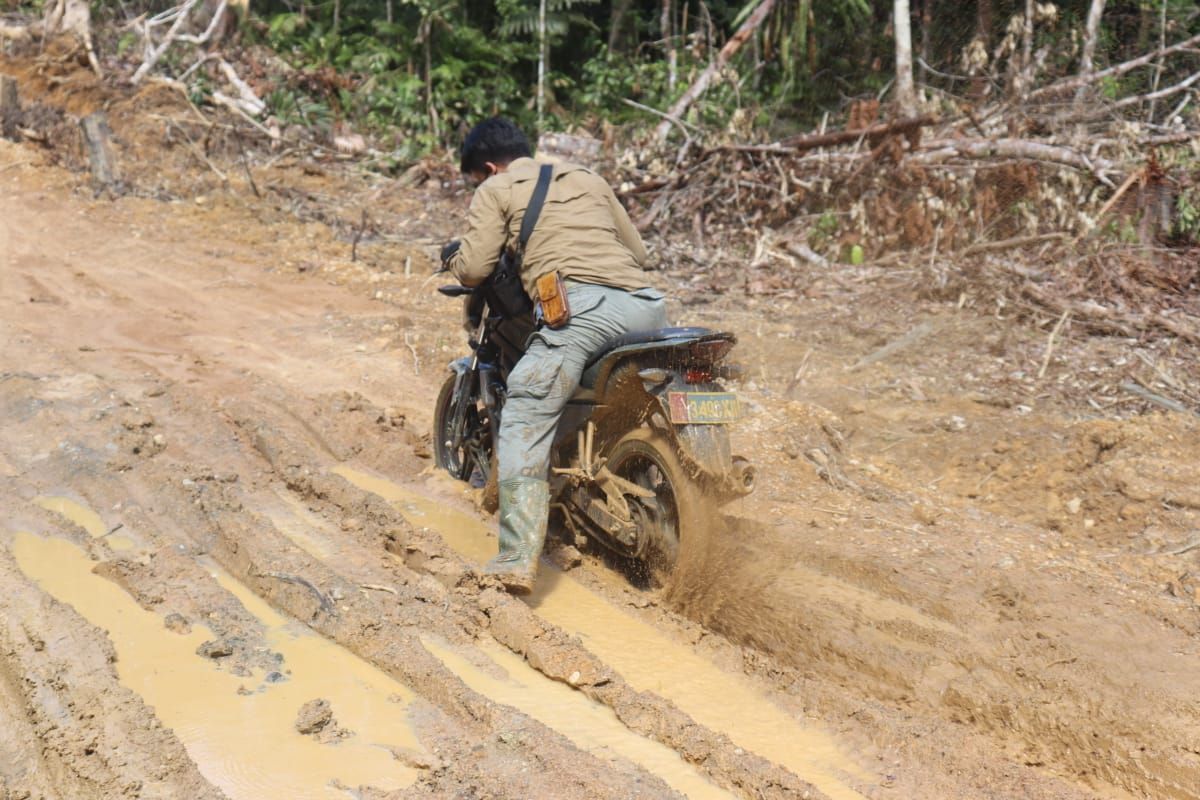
<point>645,657</point>
<point>505,677</point>
<point>239,730</point>
<point>85,518</point>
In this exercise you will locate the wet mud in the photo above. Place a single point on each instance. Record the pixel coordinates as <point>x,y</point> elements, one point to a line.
<point>216,473</point>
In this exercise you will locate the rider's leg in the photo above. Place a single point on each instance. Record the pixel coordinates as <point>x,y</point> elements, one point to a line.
<point>538,389</point>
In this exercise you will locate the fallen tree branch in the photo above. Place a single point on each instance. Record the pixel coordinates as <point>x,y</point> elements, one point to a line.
<point>1012,244</point>
<point>683,126</point>
<point>1066,316</point>
<point>1156,399</point>
<point>1129,181</point>
<point>199,154</point>
<point>1109,320</point>
<point>1104,110</point>
<point>907,340</point>
<point>1070,84</point>
<point>154,54</point>
<point>727,52</point>
<point>248,100</point>
<point>222,99</point>
<point>815,140</point>
<point>935,152</point>
<point>218,15</point>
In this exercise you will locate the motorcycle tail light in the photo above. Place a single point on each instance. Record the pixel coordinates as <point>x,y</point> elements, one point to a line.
<point>711,351</point>
<point>697,375</point>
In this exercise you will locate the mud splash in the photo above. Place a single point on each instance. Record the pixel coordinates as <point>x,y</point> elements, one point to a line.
<point>646,658</point>
<point>240,731</point>
<point>590,726</point>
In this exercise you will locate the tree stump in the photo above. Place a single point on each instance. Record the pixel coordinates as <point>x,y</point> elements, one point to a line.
<point>10,108</point>
<point>98,137</point>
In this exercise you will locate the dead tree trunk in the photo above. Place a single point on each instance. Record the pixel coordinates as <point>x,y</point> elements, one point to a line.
<point>669,44</point>
<point>906,96</point>
<point>727,52</point>
<point>10,108</point>
<point>1091,34</point>
<point>98,137</point>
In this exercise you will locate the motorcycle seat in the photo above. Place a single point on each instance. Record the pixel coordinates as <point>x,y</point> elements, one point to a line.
<point>592,370</point>
<point>647,337</point>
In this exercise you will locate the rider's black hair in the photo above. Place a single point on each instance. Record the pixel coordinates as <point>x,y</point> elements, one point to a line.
<point>496,140</point>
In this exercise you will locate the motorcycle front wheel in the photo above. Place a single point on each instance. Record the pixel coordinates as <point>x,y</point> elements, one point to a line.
<point>678,518</point>
<point>465,454</point>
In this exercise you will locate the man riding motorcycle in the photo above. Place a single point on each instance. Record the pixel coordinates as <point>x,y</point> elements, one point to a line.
<point>585,236</point>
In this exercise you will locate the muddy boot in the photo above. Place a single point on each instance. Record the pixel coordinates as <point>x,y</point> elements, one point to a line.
<point>524,508</point>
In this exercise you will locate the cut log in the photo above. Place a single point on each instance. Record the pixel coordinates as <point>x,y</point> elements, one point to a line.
<point>98,137</point>
<point>814,140</point>
<point>10,109</point>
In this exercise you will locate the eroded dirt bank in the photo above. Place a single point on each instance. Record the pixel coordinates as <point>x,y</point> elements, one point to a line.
<point>945,586</point>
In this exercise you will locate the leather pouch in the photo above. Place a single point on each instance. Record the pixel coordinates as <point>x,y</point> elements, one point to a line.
<point>552,296</point>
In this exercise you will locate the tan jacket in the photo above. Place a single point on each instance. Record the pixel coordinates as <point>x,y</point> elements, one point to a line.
<point>583,232</point>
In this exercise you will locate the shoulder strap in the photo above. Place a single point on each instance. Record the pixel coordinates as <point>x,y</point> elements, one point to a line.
<point>535,205</point>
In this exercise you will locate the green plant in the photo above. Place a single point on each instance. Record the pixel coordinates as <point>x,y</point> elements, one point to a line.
<point>1187,215</point>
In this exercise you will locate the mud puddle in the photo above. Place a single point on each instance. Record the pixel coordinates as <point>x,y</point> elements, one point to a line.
<point>590,726</point>
<point>241,731</point>
<point>85,518</point>
<point>647,659</point>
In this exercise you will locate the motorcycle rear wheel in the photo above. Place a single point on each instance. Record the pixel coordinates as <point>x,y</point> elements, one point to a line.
<point>678,516</point>
<point>475,454</point>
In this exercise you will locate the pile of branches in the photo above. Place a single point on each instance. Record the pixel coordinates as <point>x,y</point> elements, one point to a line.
<point>1054,174</point>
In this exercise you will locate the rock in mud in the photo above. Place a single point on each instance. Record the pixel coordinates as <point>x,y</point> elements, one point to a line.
<point>566,557</point>
<point>314,716</point>
<point>215,648</point>
<point>177,623</point>
<point>316,719</point>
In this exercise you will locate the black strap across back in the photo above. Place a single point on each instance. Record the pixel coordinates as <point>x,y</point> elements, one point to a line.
<point>534,210</point>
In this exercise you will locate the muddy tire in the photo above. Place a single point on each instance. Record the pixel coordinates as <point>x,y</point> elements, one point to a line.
<point>464,463</point>
<point>676,520</point>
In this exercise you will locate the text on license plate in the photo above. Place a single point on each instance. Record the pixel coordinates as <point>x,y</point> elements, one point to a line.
<point>703,408</point>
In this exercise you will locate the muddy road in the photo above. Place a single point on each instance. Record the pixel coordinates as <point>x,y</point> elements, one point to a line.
<point>230,570</point>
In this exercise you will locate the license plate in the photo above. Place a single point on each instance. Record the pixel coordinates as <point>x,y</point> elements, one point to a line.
<point>703,408</point>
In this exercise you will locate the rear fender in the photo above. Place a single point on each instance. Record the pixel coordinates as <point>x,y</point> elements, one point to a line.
<point>705,447</point>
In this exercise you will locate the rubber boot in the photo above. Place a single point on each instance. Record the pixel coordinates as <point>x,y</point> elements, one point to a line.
<point>524,510</point>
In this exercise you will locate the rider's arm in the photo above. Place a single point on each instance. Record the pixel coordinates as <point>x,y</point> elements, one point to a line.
<point>625,230</point>
<point>485,237</point>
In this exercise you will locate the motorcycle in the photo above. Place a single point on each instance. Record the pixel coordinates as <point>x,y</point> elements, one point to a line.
<point>641,459</point>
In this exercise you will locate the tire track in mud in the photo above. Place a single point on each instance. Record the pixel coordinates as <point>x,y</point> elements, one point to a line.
<point>94,737</point>
<point>1017,690</point>
<point>546,648</point>
<point>643,654</point>
<point>479,744</point>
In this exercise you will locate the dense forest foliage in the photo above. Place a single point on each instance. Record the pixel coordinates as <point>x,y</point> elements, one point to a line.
<point>427,68</point>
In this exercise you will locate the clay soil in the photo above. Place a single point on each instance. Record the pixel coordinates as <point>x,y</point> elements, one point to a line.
<point>963,578</point>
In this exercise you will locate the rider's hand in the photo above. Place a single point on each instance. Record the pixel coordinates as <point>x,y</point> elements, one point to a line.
<point>449,250</point>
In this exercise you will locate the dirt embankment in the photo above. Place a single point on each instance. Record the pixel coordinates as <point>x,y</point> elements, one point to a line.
<point>958,577</point>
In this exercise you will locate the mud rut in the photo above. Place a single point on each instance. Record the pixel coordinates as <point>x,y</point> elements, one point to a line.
<point>220,507</point>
